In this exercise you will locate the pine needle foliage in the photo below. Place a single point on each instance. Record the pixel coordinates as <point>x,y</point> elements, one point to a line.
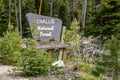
<point>10,46</point>
<point>72,35</point>
<point>23,54</point>
<point>109,63</point>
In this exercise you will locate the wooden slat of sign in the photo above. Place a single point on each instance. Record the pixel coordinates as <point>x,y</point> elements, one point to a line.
<point>64,54</point>
<point>50,51</point>
<point>60,54</point>
<point>51,46</point>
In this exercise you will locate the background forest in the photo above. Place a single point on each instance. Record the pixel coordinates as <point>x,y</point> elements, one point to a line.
<point>82,18</point>
<point>102,17</point>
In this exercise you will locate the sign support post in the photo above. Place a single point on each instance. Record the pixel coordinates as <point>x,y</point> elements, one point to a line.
<point>61,51</point>
<point>40,8</point>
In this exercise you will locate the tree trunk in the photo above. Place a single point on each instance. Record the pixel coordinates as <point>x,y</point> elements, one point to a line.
<point>84,13</point>
<point>20,18</point>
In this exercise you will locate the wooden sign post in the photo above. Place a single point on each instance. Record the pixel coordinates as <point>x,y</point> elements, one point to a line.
<point>50,29</point>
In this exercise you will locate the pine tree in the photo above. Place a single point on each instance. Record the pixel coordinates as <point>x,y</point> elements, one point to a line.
<point>64,13</point>
<point>28,6</point>
<point>106,17</point>
<point>3,16</point>
<point>61,10</point>
<point>72,35</point>
<point>109,63</point>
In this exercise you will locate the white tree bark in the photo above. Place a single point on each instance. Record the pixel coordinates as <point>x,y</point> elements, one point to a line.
<point>20,17</point>
<point>84,13</point>
<point>9,11</point>
<point>16,14</point>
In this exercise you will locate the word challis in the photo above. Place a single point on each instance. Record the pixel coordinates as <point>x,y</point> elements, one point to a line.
<point>45,21</point>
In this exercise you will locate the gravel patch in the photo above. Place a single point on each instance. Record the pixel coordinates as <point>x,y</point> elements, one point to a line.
<point>7,73</point>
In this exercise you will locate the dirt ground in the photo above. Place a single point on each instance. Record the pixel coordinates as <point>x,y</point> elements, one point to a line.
<point>7,73</point>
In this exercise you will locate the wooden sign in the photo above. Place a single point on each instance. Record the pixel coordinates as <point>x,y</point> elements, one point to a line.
<point>43,27</point>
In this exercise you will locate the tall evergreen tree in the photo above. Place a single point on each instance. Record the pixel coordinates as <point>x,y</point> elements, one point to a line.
<point>28,6</point>
<point>61,10</point>
<point>64,13</point>
<point>75,9</point>
<point>8,13</point>
<point>3,16</point>
<point>106,18</point>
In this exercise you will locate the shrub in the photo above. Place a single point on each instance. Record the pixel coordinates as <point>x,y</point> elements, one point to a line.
<point>109,63</point>
<point>33,62</point>
<point>10,46</point>
<point>87,76</point>
<point>29,60</point>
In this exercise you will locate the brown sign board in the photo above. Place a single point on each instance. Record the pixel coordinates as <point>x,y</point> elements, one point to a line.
<point>43,27</point>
